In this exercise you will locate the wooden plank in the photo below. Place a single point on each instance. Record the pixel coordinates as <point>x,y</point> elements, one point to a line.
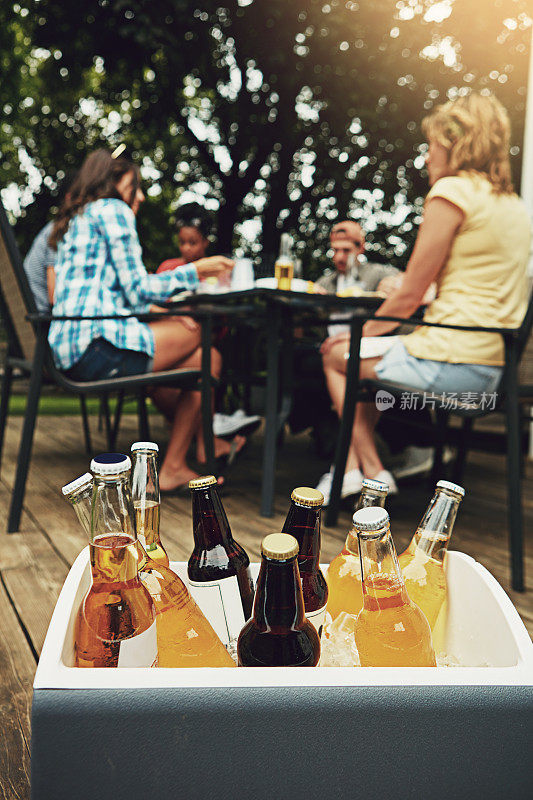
<point>33,574</point>
<point>17,668</point>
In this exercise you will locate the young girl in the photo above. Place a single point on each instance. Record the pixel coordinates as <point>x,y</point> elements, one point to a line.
<point>194,227</point>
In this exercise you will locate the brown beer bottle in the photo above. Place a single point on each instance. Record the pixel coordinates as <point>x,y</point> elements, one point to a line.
<point>115,625</point>
<point>147,500</point>
<point>278,635</point>
<point>303,522</point>
<point>344,572</point>
<point>184,636</point>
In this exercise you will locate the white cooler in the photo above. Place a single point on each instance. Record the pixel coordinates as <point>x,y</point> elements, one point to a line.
<point>437,732</point>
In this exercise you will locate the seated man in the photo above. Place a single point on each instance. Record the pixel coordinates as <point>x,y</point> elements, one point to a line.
<point>348,244</point>
<point>311,400</point>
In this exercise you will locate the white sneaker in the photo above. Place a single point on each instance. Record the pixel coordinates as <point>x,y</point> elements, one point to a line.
<point>352,483</point>
<point>230,424</point>
<point>417,460</point>
<point>385,477</point>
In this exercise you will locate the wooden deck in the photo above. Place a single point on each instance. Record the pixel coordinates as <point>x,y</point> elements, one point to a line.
<point>34,562</point>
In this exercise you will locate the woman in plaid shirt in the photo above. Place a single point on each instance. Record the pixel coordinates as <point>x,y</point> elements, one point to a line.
<point>99,271</point>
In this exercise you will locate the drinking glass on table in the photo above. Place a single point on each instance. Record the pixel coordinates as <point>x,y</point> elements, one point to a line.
<point>242,277</point>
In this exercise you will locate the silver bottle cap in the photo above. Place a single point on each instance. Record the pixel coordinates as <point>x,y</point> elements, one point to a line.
<point>144,446</point>
<point>376,486</point>
<point>451,487</point>
<point>370,519</point>
<point>78,483</point>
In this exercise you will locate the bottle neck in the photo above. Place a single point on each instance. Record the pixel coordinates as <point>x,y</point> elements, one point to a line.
<point>435,529</point>
<point>111,507</point>
<point>303,523</point>
<point>383,583</point>
<point>367,499</point>
<point>210,526</point>
<point>279,600</point>
<point>81,503</point>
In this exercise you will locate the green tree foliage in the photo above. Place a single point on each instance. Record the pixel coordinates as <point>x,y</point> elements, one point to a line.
<point>291,114</point>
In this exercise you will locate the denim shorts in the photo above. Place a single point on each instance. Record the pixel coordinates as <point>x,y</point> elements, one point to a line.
<point>399,367</point>
<point>102,360</point>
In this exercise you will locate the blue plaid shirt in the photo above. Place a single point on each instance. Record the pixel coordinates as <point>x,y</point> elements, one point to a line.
<point>99,271</point>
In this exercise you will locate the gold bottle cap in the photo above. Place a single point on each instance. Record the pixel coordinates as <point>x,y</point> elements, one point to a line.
<point>305,496</point>
<point>201,483</point>
<point>279,546</point>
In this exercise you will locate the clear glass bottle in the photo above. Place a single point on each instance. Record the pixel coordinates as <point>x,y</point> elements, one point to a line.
<point>185,638</point>
<point>279,635</point>
<point>147,499</point>
<point>219,568</point>
<point>422,563</point>
<point>79,493</point>
<point>390,630</point>
<point>344,572</point>
<point>303,522</point>
<point>115,625</point>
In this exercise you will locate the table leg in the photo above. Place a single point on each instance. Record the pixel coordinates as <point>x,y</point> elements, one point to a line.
<point>271,416</point>
<point>347,419</point>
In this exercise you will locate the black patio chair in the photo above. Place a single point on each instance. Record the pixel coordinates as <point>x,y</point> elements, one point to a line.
<point>29,355</point>
<point>512,398</point>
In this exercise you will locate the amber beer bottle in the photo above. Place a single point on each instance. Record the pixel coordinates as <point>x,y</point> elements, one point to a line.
<point>279,635</point>
<point>147,500</point>
<point>219,567</point>
<point>390,630</point>
<point>184,636</point>
<point>422,563</point>
<point>115,625</point>
<point>303,522</point>
<point>344,572</point>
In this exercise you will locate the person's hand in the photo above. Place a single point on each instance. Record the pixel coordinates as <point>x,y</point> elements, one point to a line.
<point>317,289</point>
<point>328,343</point>
<point>389,284</point>
<point>213,266</point>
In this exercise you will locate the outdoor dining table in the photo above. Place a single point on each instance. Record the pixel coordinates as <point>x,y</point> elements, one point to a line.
<point>278,312</point>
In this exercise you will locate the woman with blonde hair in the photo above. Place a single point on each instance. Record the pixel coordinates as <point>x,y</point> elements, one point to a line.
<point>474,243</point>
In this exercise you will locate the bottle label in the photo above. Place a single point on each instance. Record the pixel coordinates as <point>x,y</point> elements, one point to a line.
<point>221,603</point>
<point>139,651</point>
<point>317,618</point>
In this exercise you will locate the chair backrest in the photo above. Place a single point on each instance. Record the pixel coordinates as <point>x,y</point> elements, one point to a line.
<point>16,296</point>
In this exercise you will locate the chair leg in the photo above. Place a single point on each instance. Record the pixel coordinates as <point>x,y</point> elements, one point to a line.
<point>85,421</point>
<point>144,427</point>
<point>4,404</point>
<point>462,450</point>
<point>118,417</point>
<point>347,421</point>
<point>206,397</point>
<point>442,426</point>
<point>514,492</point>
<point>107,420</point>
<point>26,441</point>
